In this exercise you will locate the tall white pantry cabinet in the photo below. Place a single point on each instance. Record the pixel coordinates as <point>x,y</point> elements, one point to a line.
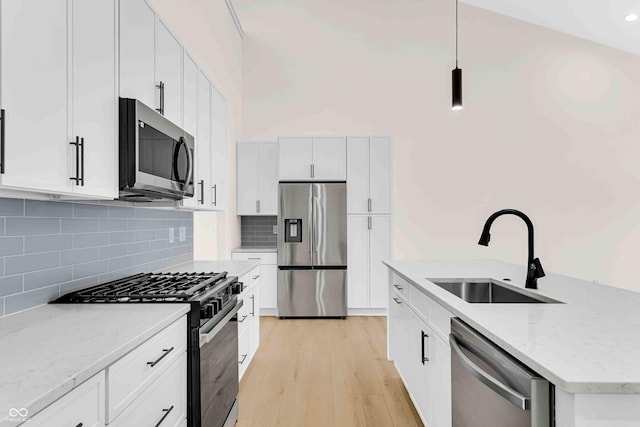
<point>368,220</point>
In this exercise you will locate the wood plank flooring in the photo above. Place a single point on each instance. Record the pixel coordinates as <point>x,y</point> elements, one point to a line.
<point>324,372</point>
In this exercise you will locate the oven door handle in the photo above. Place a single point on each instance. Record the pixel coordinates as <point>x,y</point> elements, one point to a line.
<point>206,337</point>
<point>483,376</point>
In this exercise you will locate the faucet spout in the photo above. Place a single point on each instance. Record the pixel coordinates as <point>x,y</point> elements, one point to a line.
<point>534,267</point>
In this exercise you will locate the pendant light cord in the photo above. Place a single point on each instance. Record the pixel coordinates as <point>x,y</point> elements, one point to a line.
<point>456,33</point>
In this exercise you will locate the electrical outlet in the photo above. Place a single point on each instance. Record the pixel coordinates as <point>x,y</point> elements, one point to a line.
<point>275,229</point>
<point>171,235</point>
<point>183,234</point>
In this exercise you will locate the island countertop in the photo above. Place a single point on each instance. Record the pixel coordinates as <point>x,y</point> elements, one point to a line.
<point>588,344</point>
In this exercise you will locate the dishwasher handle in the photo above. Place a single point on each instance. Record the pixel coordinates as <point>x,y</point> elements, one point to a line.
<point>504,391</point>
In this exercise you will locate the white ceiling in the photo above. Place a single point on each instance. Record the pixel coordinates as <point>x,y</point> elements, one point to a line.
<point>601,21</point>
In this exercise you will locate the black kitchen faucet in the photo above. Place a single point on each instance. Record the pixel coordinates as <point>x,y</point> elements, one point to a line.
<point>534,267</point>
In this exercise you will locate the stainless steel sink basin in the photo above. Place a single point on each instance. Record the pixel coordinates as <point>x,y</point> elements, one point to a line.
<point>488,292</point>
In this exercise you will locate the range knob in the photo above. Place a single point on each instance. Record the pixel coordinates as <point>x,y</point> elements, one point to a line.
<point>237,288</point>
<point>209,310</point>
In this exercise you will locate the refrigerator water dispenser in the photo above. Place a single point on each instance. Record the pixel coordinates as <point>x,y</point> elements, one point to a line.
<point>293,230</point>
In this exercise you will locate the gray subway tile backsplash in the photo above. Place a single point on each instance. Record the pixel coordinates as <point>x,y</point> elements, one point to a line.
<point>52,248</point>
<point>257,231</point>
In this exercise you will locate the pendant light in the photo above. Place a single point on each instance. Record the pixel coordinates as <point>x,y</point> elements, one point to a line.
<point>456,76</point>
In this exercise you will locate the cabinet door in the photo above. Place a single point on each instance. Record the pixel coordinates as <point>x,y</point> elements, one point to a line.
<point>268,178</point>
<point>137,52</point>
<point>203,144</point>
<point>379,250</point>
<point>395,333</point>
<point>254,325</point>
<point>244,345</point>
<point>330,158</point>
<point>419,380</point>
<point>268,286</point>
<point>218,187</point>
<point>358,175</point>
<point>34,94</point>
<point>380,174</point>
<point>93,95</point>
<point>190,95</point>
<point>294,158</point>
<point>439,382</point>
<point>358,256</point>
<point>248,178</point>
<point>169,72</point>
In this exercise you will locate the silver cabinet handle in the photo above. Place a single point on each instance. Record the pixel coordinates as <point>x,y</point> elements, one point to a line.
<point>254,258</point>
<point>257,206</point>
<point>369,204</point>
<point>397,300</point>
<point>201,183</point>
<point>313,172</point>
<point>369,223</point>
<point>253,305</point>
<point>161,87</point>
<point>243,319</point>
<point>397,287</point>
<point>244,356</point>
<point>215,195</point>
<point>165,351</point>
<point>165,415</point>
<point>508,393</point>
<point>256,277</point>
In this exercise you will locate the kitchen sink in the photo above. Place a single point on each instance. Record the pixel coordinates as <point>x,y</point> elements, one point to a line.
<point>487,291</point>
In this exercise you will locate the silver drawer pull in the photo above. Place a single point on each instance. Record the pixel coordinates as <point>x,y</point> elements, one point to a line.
<point>244,356</point>
<point>397,287</point>
<point>166,414</point>
<point>254,258</point>
<point>397,300</point>
<point>164,354</point>
<point>258,276</point>
<point>243,318</point>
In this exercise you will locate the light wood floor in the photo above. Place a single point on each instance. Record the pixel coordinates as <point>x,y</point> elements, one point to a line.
<point>324,372</point>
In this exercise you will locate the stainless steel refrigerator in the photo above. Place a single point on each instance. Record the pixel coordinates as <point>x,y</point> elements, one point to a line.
<point>312,250</point>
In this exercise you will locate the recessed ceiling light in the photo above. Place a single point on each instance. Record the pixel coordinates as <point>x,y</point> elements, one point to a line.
<point>631,17</point>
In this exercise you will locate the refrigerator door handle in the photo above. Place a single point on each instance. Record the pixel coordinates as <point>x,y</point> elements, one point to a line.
<point>310,225</point>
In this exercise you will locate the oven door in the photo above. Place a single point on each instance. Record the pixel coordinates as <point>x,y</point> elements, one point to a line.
<point>219,371</point>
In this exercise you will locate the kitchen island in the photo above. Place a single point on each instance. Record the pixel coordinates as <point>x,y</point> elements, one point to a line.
<point>588,345</point>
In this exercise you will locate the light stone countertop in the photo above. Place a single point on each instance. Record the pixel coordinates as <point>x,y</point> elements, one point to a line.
<point>234,268</point>
<point>589,344</point>
<point>47,351</point>
<point>244,249</point>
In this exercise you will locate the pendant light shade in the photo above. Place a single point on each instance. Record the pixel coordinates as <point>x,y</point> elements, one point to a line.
<point>456,76</point>
<point>456,89</point>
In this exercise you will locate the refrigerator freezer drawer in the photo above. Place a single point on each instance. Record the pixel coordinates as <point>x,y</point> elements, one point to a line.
<point>312,293</point>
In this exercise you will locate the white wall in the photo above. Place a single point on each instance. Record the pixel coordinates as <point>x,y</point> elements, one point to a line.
<point>551,123</point>
<point>209,34</point>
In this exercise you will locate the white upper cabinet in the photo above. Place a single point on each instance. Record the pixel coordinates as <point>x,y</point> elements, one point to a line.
<point>329,158</point>
<point>168,74</point>
<point>93,96</point>
<point>295,158</point>
<point>257,180</point>
<point>312,158</point>
<point>218,184</point>
<point>34,95</point>
<point>190,95</point>
<point>368,175</point>
<point>202,175</point>
<point>57,63</point>
<point>137,52</point>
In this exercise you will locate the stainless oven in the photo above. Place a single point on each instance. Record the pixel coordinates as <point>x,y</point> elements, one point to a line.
<point>219,369</point>
<point>156,157</point>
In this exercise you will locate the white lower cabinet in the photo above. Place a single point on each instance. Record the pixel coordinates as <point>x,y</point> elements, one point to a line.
<point>163,403</point>
<point>268,293</point>
<point>84,405</point>
<point>421,352</point>
<point>145,387</point>
<point>249,320</point>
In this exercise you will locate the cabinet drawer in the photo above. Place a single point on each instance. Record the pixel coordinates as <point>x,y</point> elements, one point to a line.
<point>244,346</point>
<point>400,286</point>
<point>440,319</point>
<point>420,302</point>
<point>265,258</point>
<point>244,315</point>
<point>132,374</point>
<point>82,406</point>
<point>164,403</point>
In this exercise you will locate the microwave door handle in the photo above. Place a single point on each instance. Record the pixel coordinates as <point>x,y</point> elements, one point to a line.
<point>189,176</point>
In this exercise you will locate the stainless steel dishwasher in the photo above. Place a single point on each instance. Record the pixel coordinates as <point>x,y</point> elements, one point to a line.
<point>490,388</point>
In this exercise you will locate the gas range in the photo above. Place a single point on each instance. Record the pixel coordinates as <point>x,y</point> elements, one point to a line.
<point>212,340</point>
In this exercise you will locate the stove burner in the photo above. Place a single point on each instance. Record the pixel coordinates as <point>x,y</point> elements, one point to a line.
<point>150,287</point>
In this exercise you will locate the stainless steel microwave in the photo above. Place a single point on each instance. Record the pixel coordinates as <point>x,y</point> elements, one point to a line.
<point>156,157</point>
